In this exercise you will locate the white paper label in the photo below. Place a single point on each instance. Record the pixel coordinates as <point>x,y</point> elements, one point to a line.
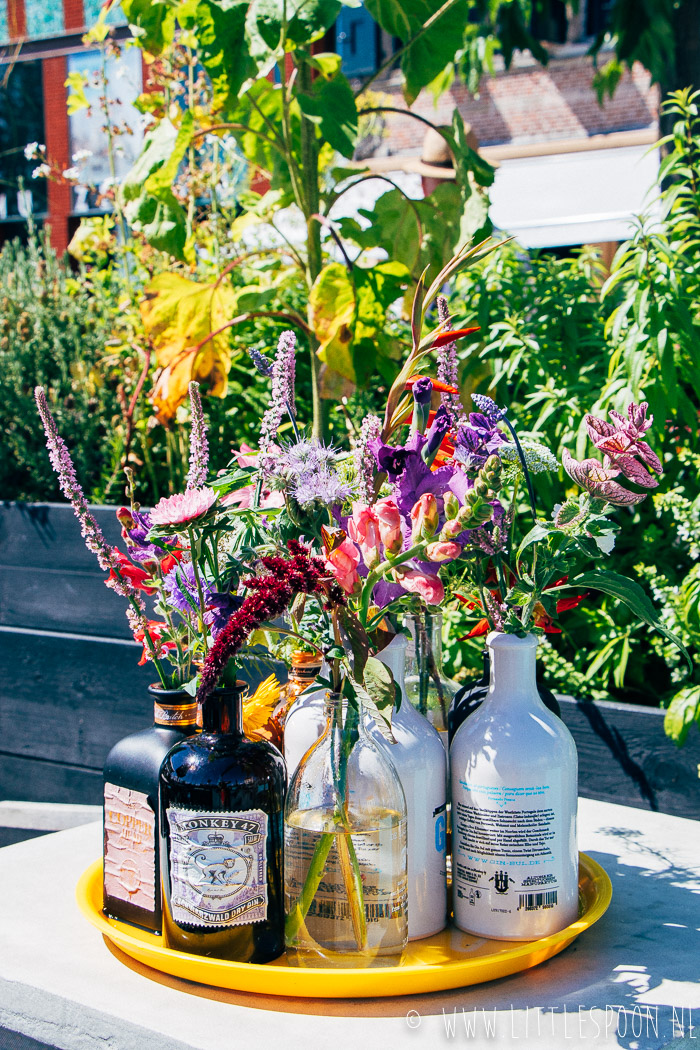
<point>129,847</point>
<point>218,867</point>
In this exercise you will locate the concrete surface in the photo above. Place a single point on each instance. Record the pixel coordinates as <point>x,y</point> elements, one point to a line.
<point>631,981</point>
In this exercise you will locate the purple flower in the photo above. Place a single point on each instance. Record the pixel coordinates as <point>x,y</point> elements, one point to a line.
<point>262,363</point>
<point>489,407</point>
<point>181,593</point>
<point>92,534</point>
<point>477,440</point>
<point>439,429</point>
<point>282,392</point>
<point>622,441</point>
<point>199,449</point>
<point>321,486</point>
<point>390,460</point>
<point>448,370</point>
<point>422,390</point>
<point>370,432</point>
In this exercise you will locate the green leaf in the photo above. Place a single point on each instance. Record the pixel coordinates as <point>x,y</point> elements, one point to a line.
<point>683,710</point>
<point>634,598</point>
<point>358,639</point>
<point>157,149</point>
<point>332,107</point>
<point>331,313</point>
<point>223,47</point>
<point>151,22</point>
<point>537,532</point>
<point>433,48</point>
<point>77,99</point>
<point>377,695</point>
<point>160,182</point>
<point>306,21</point>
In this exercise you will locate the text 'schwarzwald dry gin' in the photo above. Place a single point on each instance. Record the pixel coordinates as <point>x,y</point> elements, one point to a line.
<point>131,881</point>
<point>514,796</point>
<point>222,800</point>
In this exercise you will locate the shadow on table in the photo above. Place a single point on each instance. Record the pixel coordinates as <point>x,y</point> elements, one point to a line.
<point>638,965</point>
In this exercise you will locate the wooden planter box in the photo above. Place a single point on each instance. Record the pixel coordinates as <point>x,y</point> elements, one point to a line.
<point>70,684</point>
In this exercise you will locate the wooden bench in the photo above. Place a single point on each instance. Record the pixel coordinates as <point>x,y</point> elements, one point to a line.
<point>70,684</point>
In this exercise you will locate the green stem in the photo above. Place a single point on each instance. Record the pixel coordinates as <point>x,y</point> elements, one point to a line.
<point>376,574</point>
<point>198,581</point>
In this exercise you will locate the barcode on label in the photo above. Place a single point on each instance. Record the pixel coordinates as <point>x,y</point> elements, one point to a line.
<point>341,910</point>
<point>533,901</point>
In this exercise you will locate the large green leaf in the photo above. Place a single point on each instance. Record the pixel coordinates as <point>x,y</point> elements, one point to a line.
<point>223,47</point>
<point>332,106</point>
<point>162,222</point>
<point>152,23</point>
<point>157,149</point>
<point>331,313</point>
<point>259,109</point>
<point>161,180</point>
<point>377,694</point>
<point>306,21</point>
<point>632,595</point>
<point>434,46</point>
<point>683,711</point>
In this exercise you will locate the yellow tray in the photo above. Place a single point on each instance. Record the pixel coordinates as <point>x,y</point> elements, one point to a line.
<point>450,959</point>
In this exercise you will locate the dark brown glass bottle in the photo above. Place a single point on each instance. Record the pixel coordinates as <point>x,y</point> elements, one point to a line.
<point>222,807</point>
<point>131,845</point>
<point>470,696</point>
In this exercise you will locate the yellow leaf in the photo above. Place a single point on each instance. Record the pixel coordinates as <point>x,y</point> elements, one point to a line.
<point>180,317</point>
<point>331,315</point>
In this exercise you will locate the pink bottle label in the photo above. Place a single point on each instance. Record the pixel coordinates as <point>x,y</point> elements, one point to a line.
<point>129,847</point>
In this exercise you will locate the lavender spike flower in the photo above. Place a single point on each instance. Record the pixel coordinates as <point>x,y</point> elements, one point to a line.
<point>199,448</point>
<point>448,370</point>
<point>263,365</point>
<point>91,532</point>
<point>364,459</point>
<point>282,392</point>
<point>489,407</point>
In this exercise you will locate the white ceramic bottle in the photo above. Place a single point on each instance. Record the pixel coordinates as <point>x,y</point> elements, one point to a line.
<point>514,800</point>
<point>420,760</point>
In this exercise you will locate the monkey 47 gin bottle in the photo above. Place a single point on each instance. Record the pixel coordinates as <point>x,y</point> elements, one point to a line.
<point>514,798</point>
<point>222,800</point>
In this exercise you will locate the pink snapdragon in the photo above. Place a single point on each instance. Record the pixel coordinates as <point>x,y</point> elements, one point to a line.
<point>427,587</point>
<point>363,528</point>
<point>443,551</point>
<point>183,507</point>
<point>424,517</point>
<point>388,518</point>
<point>342,563</point>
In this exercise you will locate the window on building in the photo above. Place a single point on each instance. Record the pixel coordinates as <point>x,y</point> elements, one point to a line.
<point>597,16</point>
<point>21,122</point>
<point>44,18</point>
<point>89,144</point>
<point>549,21</point>
<point>357,41</point>
<point>4,27</point>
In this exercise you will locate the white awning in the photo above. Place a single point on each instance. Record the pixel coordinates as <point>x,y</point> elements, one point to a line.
<point>573,198</point>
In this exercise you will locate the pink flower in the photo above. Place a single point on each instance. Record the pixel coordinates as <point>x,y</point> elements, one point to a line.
<point>343,562</point>
<point>245,456</point>
<point>622,440</point>
<point>389,521</point>
<point>424,516</point>
<point>363,528</point>
<point>183,507</point>
<point>427,587</point>
<point>245,497</point>
<point>443,551</point>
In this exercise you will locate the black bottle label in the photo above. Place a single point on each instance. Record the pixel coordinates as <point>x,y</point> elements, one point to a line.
<point>218,867</point>
<point>129,847</point>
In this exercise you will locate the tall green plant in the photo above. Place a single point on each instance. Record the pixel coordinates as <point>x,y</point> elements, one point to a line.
<point>299,135</point>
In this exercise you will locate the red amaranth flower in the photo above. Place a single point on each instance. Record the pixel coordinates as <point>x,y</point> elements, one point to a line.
<point>270,595</point>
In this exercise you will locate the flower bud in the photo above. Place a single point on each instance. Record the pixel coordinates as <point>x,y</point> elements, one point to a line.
<point>424,518</point>
<point>451,505</point>
<point>389,522</point>
<point>481,488</point>
<point>451,529</point>
<point>443,551</point>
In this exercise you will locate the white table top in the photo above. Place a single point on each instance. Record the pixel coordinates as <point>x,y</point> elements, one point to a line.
<point>630,981</point>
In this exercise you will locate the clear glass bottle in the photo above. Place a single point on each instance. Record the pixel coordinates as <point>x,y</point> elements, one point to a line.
<point>221,806</point>
<point>420,760</point>
<point>514,800</point>
<point>345,849</point>
<point>427,686</point>
<point>469,696</point>
<point>131,847</point>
